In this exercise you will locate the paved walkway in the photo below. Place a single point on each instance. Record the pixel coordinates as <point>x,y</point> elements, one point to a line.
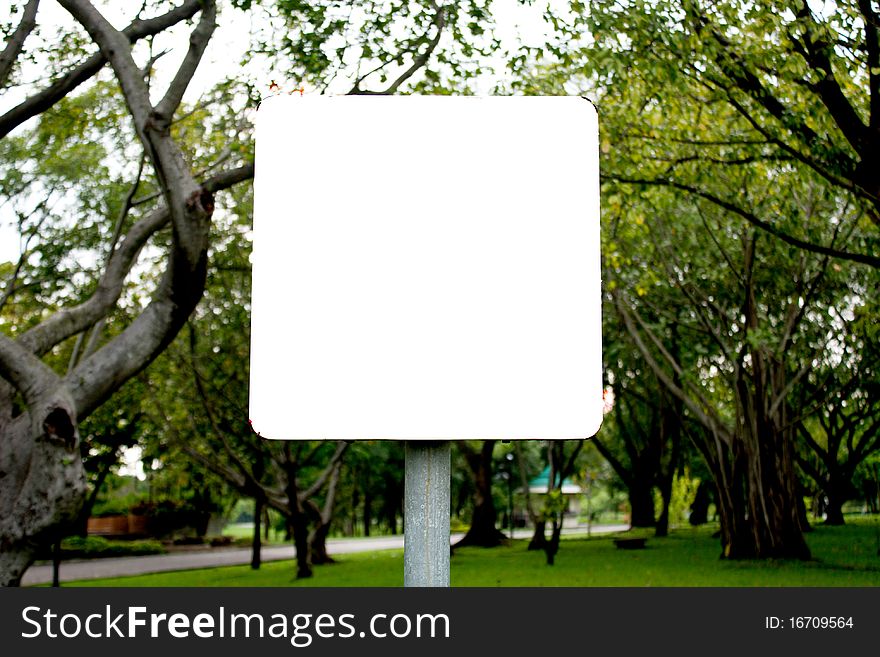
<point>124,566</point>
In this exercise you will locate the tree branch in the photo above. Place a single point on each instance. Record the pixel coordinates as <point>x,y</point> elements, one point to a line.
<point>198,41</point>
<point>568,468</point>
<point>737,71</point>
<point>189,213</point>
<point>439,22</point>
<point>614,462</point>
<point>71,321</point>
<point>22,369</point>
<point>341,446</point>
<point>711,423</point>
<point>814,49</point>
<point>862,258</point>
<point>872,46</point>
<point>818,450</point>
<point>807,159</point>
<point>16,40</point>
<point>128,353</point>
<point>43,100</point>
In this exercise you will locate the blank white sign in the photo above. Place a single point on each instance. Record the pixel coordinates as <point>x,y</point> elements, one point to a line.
<point>426,268</point>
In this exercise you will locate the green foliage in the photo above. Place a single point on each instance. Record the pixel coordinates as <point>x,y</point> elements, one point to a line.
<point>117,506</point>
<point>684,490</point>
<point>604,503</point>
<point>372,46</point>
<point>554,502</point>
<point>732,210</point>
<point>173,516</point>
<point>96,547</point>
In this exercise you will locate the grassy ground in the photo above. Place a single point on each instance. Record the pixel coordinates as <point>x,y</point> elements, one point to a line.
<point>843,556</point>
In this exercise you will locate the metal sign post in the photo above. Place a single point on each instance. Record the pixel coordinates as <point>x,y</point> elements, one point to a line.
<point>426,514</point>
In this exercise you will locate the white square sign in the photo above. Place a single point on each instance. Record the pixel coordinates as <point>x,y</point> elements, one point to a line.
<point>426,268</point>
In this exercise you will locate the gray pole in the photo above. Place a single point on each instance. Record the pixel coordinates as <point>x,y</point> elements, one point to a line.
<point>426,514</point>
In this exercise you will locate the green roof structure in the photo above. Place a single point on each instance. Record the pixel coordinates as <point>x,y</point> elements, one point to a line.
<point>540,483</point>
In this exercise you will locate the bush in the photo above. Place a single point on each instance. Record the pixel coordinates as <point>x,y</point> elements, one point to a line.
<point>93,547</point>
<point>118,506</point>
<point>169,517</point>
<point>684,490</point>
<point>457,525</point>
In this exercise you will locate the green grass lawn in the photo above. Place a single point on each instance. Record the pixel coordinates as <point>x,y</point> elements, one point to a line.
<point>843,556</point>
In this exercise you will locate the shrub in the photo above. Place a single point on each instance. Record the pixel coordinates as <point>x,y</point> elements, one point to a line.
<point>92,547</point>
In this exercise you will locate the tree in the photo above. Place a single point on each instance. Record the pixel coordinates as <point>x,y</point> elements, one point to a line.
<point>717,116</point>
<point>104,435</point>
<point>642,440</point>
<point>175,159</point>
<point>751,346</point>
<point>537,520</point>
<point>747,86</point>
<point>562,466</point>
<point>45,482</point>
<point>482,530</point>
<point>371,487</point>
<point>842,430</point>
<point>204,419</point>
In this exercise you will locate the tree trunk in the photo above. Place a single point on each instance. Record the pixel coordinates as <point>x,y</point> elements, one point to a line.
<point>700,507</point>
<point>82,522</point>
<point>641,502</point>
<point>256,546</point>
<point>768,457</point>
<point>324,517</point>
<point>539,539</point>
<point>735,540</point>
<point>661,529</point>
<point>318,544</point>
<point>729,497</point>
<point>773,513</point>
<point>56,564</point>
<point>554,503</point>
<point>301,543</point>
<point>482,531</point>
<point>368,511</point>
<point>672,410</point>
<point>765,436</point>
<point>551,547</point>
<point>43,483</point>
<point>834,510</point>
<point>297,521</point>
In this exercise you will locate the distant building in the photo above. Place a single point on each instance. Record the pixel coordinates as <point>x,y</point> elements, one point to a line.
<point>571,491</point>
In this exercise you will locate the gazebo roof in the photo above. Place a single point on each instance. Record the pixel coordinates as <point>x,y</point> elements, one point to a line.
<point>540,483</point>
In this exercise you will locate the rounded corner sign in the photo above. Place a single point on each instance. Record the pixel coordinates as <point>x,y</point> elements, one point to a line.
<point>426,268</point>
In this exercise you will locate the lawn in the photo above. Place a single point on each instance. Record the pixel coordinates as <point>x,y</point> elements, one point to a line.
<point>842,556</point>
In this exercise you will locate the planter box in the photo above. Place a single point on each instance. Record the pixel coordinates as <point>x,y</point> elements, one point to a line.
<point>108,526</point>
<point>137,525</point>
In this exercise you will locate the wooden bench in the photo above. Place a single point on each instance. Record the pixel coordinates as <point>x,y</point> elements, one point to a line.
<point>630,543</point>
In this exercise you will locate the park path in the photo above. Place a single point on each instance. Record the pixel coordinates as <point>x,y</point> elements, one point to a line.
<point>126,566</point>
